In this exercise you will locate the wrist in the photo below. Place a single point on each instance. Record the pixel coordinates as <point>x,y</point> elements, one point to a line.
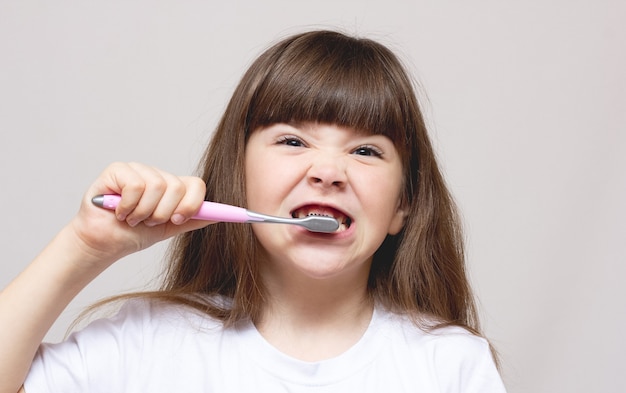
<point>77,255</point>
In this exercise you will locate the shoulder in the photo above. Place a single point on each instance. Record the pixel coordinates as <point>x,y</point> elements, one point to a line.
<point>142,327</point>
<point>455,341</point>
<point>452,356</point>
<point>147,320</point>
<point>146,343</point>
<point>145,313</point>
<point>445,342</point>
<point>463,360</point>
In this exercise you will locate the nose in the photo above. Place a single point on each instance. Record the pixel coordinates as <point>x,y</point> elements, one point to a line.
<point>327,171</point>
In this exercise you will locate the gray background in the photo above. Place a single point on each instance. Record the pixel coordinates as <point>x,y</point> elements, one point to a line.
<point>526,102</point>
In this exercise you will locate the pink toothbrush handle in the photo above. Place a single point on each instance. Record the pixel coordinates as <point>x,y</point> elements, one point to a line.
<point>210,211</point>
<point>221,212</point>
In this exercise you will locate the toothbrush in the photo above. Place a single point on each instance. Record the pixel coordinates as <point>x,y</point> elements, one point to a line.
<point>213,211</point>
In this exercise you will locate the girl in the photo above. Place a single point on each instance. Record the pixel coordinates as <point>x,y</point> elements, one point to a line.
<point>321,123</point>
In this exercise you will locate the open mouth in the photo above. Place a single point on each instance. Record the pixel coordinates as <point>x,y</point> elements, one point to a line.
<point>311,210</point>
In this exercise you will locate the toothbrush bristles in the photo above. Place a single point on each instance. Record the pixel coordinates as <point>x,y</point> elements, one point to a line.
<point>320,223</point>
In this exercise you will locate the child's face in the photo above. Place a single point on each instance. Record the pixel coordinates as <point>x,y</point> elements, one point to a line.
<point>295,170</point>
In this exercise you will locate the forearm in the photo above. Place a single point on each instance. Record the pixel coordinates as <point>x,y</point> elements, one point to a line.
<point>83,249</point>
<point>33,301</point>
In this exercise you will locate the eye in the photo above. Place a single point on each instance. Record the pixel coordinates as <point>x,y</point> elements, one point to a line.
<point>290,140</point>
<point>368,151</point>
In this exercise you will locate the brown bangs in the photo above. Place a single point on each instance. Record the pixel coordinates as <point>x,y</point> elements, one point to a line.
<point>333,79</point>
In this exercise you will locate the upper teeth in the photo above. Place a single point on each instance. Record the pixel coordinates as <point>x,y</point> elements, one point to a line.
<point>341,218</point>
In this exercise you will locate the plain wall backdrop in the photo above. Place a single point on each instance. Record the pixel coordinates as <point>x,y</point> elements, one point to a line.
<point>527,107</point>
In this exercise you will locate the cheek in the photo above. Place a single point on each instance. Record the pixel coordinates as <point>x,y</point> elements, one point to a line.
<point>268,178</point>
<point>386,198</point>
<point>382,185</point>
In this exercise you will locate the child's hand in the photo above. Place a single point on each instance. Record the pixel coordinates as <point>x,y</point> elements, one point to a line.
<point>155,205</point>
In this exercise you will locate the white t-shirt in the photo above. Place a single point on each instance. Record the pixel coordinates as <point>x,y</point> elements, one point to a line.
<point>151,347</point>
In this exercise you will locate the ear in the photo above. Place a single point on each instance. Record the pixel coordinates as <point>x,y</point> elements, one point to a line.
<point>397,221</point>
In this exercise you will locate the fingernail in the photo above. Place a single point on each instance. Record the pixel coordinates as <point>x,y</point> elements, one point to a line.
<point>132,222</point>
<point>178,219</point>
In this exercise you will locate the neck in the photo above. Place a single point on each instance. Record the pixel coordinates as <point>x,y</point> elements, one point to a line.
<point>314,319</point>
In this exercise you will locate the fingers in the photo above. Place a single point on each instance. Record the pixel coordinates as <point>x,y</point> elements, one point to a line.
<point>152,196</point>
<point>195,190</point>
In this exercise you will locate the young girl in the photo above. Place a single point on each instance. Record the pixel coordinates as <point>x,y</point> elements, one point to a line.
<point>321,123</point>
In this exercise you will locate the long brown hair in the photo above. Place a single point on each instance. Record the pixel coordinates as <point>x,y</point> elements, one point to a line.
<point>327,77</point>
